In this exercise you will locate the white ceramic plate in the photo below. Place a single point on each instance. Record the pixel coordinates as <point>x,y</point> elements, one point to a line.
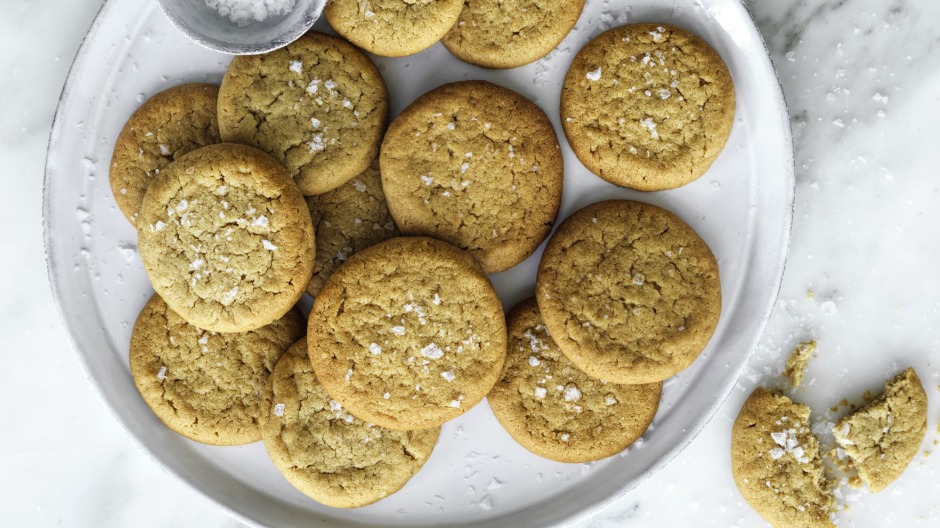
<point>477,475</point>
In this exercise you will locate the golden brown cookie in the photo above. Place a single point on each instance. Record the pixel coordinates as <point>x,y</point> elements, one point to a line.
<point>393,28</point>
<point>325,452</point>
<point>476,165</point>
<point>407,334</point>
<point>168,125</point>
<point>226,238</point>
<point>204,385</point>
<point>554,409</point>
<point>884,436</point>
<point>647,106</point>
<point>629,291</point>
<point>319,106</point>
<point>347,219</point>
<point>776,463</point>
<point>510,33</point>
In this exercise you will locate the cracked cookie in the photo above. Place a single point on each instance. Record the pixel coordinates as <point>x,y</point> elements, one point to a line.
<point>883,437</point>
<point>476,165</point>
<point>348,219</point>
<point>325,452</point>
<point>319,106</point>
<point>407,334</point>
<point>555,410</point>
<point>393,28</point>
<point>226,238</point>
<point>777,465</point>
<point>168,125</point>
<point>629,291</point>
<point>204,385</point>
<point>510,33</point>
<point>647,106</point>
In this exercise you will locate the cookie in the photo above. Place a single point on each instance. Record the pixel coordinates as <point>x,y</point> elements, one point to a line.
<point>346,220</point>
<point>168,125</point>
<point>325,452</point>
<point>776,463</point>
<point>407,334</point>
<point>226,238</point>
<point>393,28</point>
<point>319,106</point>
<point>647,106</point>
<point>554,409</point>
<point>204,385</point>
<point>629,291</point>
<point>884,436</point>
<point>476,165</point>
<point>510,33</point>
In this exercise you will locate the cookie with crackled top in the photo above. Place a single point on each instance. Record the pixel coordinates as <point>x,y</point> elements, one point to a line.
<point>510,33</point>
<point>476,165</point>
<point>226,238</point>
<point>555,410</point>
<point>348,219</point>
<point>777,465</point>
<point>883,437</point>
<point>325,452</point>
<point>205,385</point>
<point>393,28</point>
<point>629,291</point>
<point>319,106</point>
<point>169,124</point>
<point>647,106</point>
<point>407,334</point>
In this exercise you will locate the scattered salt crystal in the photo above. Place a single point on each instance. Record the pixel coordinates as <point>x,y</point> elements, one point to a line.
<point>432,351</point>
<point>161,374</point>
<point>398,330</point>
<point>315,123</point>
<point>594,75</point>
<point>572,393</point>
<point>159,225</point>
<point>487,503</point>
<point>455,404</point>
<point>651,126</point>
<point>296,67</point>
<point>776,453</point>
<point>261,221</point>
<point>349,374</point>
<point>428,180</point>
<point>534,361</point>
<point>386,395</point>
<point>610,400</point>
<point>164,151</point>
<point>335,406</point>
<point>540,392</point>
<point>464,167</point>
<point>448,375</point>
<point>279,409</point>
<point>268,245</point>
<point>375,349</point>
<point>437,300</point>
<point>565,437</point>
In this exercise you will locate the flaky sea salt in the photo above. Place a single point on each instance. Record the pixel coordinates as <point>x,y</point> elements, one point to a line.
<point>594,75</point>
<point>279,409</point>
<point>243,12</point>
<point>432,351</point>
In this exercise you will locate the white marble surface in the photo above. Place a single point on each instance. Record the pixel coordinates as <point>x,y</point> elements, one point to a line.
<point>862,79</point>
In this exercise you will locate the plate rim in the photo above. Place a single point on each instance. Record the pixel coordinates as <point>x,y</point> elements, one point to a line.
<point>588,511</point>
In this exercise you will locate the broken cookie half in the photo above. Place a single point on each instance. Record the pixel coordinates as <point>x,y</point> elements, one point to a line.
<point>883,437</point>
<point>777,464</point>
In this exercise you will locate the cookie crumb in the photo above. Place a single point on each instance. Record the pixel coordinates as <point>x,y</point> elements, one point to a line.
<point>796,364</point>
